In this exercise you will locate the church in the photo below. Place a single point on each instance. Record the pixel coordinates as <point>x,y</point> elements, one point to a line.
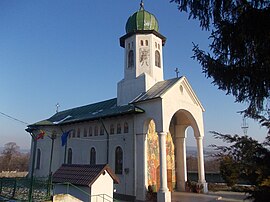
<point>140,134</point>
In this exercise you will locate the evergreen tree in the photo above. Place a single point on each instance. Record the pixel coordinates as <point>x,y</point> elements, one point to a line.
<point>239,62</point>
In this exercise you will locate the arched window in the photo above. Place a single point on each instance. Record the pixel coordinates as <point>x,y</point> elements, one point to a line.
<point>125,127</point>
<point>74,133</point>
<point>157,58</point>
<point>111,129</point>
<point>96,131</point>
<point>92,156</point>
<point>146,42</point>
<point>69,157</point>
<point>118,128</point>
<point>38,159</point>
<point>141,42</point>
<point>130,59</point>
<point>118,160</point>
<point>101,130</point>
<point>78,132</point>
<point>84,132</point>
<point>90,131</point>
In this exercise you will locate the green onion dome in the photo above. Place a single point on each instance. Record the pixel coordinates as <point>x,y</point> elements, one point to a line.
<point>141,20</point>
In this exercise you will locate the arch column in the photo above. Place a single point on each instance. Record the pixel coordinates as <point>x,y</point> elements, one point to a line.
<point>201,173</point>
<point>163,194</point>
<point>181,173</point>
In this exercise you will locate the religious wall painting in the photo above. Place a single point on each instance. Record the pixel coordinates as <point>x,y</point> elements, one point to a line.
<point>153,158</point>
<point>152,154</point>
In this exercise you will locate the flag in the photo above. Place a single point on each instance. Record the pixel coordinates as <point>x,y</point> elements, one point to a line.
<point>64,137</point>
<point>40,135</point>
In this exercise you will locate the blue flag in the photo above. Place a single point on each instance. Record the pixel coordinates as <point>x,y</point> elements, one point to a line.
<point>64,137</point>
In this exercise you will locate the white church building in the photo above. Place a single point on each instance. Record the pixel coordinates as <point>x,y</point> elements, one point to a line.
<point>141,133</point>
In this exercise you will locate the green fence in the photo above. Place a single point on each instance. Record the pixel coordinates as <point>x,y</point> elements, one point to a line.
<point>18,189</point>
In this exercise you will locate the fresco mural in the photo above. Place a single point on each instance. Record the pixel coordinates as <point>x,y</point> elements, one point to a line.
<point>153,158</point>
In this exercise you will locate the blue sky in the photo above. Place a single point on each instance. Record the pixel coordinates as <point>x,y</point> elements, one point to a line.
<point>68,51</point>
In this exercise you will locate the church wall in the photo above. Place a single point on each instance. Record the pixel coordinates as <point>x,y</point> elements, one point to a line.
<point>81,149</point>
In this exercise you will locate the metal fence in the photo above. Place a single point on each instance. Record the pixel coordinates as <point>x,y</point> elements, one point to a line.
<point>18,189</point>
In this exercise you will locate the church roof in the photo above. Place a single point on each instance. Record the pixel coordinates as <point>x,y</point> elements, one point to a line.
<point>157,90</point>
<point>84,175</point>
<point>104,109</point>
<point>141,20</point>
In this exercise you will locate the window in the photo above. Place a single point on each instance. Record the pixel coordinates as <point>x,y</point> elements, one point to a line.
<point>157,58</point>
<point>69,157</point>
<point>146,42</point>
<point>84,132</point>
<point>158,46</point>
<point>118,160</point>
<point>141,42</point>
<point>96,131</point>
<point>118,128</point>
<point>90,131</point>
<point>38,159</point>
<point>74,133</point>
<point>78,132</point>
<point>111,129</point>
<point>125,127</point>
<point>101,131</point>
<point>92,156</point>
<point>130,59</point>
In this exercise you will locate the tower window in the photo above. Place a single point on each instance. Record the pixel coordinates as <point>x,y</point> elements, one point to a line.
<point>92,156</point>
<point>84,132</point>
<point>155,44</point>
<point>118,160</point>
<point>157,58</point>
<point>69,157</point>
<point>130,59</point>
<point>128,45</point>
<point>158,46</point>
<point>146,42</point>
<point>141,42</point>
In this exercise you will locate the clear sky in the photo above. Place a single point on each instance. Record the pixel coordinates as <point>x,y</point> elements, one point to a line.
<point>68,51</point>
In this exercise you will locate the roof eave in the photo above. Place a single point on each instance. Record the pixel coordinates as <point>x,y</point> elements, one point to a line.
<point>123,38</point>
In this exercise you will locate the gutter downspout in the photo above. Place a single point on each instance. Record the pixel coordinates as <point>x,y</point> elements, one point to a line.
<point>134,157</point>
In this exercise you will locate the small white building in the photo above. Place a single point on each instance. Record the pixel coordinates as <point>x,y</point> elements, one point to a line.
<point>85,182</point>
<point>140,133</point>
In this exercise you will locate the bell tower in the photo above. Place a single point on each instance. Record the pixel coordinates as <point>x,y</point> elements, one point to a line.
<point>143,61</point>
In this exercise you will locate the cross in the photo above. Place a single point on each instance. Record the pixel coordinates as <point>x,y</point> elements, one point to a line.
<point>141,5</point>
<point>176,71</point>
<point>57,107</point>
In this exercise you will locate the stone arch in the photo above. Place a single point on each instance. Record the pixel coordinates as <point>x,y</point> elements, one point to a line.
<point>180,121</point>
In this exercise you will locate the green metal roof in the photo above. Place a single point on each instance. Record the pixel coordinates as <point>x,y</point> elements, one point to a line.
<point>104,109</point>
<point>141,20</point>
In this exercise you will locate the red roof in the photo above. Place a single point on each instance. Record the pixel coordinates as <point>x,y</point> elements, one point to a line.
<point>79,174</point>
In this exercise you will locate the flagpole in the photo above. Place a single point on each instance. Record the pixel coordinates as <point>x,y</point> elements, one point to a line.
<point>53,137</point>
<point>107,139</point>
<point>30,194</point>
<point>65,155</point>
